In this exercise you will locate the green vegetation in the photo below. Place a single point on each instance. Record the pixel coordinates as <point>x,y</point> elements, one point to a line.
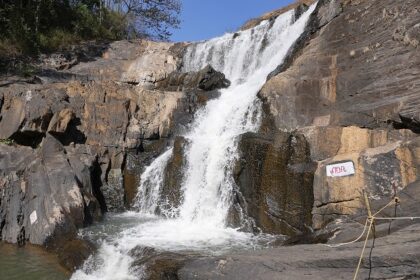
<point>33,26</point>
<point>7,141</point>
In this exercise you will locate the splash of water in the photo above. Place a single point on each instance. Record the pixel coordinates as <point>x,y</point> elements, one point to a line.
<point>246,58</point>
<point>147,198</point>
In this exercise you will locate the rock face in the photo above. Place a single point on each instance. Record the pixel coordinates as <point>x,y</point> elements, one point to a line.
<point>43,194</point>
<point>275,176</point>
<point>336,91</point>
<point>354,71</point>
<point>173,177</point>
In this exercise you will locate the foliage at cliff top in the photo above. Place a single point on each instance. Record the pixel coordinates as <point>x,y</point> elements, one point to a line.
<point>31,26</point>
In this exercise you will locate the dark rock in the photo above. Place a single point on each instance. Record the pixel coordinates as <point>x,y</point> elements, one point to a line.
<point>73,253</point>
<point>27,112</point>
<point>159,265</point>
<point>165,266</point>
<point>43,200</point>
<point>173,176</point>
<point>206,79</point>
<point>275,176</point>
<point>131,182</point>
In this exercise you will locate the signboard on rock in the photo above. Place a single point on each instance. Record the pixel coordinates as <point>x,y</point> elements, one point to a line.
<point>340,169</point>
<point>33,217</point>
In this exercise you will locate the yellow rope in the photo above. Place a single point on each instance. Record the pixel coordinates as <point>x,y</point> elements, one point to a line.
<point>372,219</point>
<point>396,218</point>
<point>383,208</point>
<point>363,250</point>
<point>350,242</point>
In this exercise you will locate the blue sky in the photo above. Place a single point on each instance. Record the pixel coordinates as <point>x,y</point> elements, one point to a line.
<point>204,19</point>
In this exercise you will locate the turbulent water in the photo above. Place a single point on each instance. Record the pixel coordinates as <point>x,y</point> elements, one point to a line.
<point>199,223</point>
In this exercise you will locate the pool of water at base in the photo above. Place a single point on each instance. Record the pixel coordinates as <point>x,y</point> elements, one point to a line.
<point>33,263</point>
<point>29,263</point>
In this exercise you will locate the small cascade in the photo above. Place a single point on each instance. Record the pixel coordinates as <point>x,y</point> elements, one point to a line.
<point>246,58</point>
<point>147,198</point>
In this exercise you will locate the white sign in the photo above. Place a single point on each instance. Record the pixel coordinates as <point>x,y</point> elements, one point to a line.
<point>340,169</point>
<point>33,217</point>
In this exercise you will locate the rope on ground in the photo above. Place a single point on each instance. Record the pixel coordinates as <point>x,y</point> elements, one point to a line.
<point>350,242</point>
<point>397,218</point>
<point>371,221</point>
<point>371,251</point>
<point>363,250</point>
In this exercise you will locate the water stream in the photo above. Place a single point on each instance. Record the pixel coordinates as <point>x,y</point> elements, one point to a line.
<point>199,223</point>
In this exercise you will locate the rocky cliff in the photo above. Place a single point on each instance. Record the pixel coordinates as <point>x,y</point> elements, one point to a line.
<point>352,91</point>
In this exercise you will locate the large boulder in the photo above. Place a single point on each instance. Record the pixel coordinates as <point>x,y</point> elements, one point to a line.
<point>206,79</point>
<point>43,198</point>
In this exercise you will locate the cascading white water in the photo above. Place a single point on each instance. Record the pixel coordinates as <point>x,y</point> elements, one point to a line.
<point>246,58</point>
<point>147,198</point>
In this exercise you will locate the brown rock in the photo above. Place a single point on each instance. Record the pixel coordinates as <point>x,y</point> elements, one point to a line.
<point>174,174</point>
<point>60,121</point>
<point>375,86</point>
<point>379,171</point>
<point>73,253</point>
<point>275,179</point>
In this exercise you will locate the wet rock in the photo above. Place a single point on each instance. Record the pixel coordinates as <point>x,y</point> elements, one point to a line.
<point>334,88</point>
<point>165,266</point>
<point>113,191</point>
<point>275,176</point>
<point>74,252</point>
<point>131,183</point>
<point>158,265</point>
<point>173,177</point>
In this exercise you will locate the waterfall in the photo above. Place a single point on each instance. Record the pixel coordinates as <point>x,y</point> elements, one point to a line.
<point>147,198</point>
<point>246,58</point>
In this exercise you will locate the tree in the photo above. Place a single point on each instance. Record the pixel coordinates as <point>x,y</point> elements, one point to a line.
<point>150,18</point>
<point>34,25</point>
